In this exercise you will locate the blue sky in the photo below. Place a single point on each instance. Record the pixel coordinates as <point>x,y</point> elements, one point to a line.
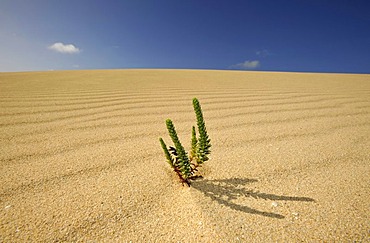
<point>274,35</point>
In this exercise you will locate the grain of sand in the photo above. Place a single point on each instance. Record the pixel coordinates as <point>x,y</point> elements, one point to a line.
<point>80,158</point>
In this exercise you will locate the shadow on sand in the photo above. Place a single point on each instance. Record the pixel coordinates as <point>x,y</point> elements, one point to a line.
<point>226,190</point>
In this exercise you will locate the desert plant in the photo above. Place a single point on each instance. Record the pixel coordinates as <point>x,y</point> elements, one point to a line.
<point>170,160</point>
<point>194,144</point>
<point>181,159</point>
<point>177,157</point>
<point>204,144</point>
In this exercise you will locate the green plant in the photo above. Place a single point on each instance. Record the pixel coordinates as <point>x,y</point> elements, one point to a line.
<point>178,158</point>
<point>204,144</point>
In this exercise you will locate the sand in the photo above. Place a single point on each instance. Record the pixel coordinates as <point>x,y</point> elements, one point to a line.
<point>80,158</point>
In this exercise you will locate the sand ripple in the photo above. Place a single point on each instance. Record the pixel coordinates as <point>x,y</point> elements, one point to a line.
<point>80,158</point>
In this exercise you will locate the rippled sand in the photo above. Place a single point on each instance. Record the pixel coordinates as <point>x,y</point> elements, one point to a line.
<point>80,158</point>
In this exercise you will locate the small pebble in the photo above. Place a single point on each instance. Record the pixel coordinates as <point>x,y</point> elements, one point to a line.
<point>274,204</point>
<point>7,207</point>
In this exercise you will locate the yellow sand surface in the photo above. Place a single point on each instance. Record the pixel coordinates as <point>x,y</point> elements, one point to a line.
<point>80,158</point>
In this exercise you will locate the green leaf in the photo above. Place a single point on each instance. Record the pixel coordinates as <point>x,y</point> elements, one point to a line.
<point>183,160</point>
<point>204,144</point>
<point>167,153</point>
<point>194,144</point>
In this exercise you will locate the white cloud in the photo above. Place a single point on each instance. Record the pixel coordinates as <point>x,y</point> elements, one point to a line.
<point>62,48</point>
<point>263,53</point>
<point>247,65</point>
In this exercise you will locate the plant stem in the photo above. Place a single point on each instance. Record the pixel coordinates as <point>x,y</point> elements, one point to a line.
<point>183,160</point>
<point>204,144</point>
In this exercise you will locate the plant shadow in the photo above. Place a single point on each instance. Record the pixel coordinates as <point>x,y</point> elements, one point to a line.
<point>226,190</point>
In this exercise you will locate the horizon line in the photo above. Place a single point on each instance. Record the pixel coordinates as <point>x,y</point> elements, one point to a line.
<point>184,69</point>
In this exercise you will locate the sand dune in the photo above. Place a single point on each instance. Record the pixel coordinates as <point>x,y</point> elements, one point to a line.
<point>80,158</point>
